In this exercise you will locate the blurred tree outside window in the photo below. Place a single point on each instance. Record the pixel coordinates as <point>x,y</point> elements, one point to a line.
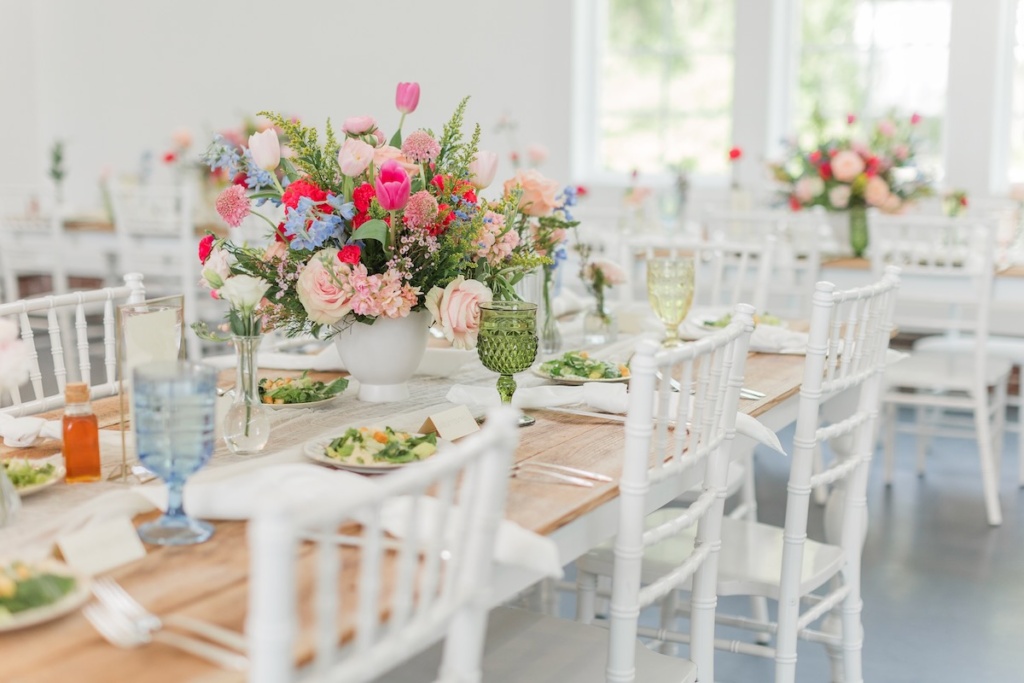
<point>877,58</point>
<point>664,85</point>
<point>1017,113</point>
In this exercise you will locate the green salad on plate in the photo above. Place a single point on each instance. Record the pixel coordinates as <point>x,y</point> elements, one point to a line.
<point>25,473</point>
<point>24,587</point>
<point>578,365</point>
<point>295,390</point>
<point>368,446</point>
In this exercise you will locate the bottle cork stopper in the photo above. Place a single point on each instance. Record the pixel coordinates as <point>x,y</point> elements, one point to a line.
<point>76,392</point>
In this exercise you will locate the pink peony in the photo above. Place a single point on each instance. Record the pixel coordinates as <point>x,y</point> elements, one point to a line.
<point>392,186</point>
<point>420,147</point>
<point>357,125</point>
<point>846,166</point>
<point>325,287</point>
<point>876,191</point>
<point>355,156</point>
<point>538,198</point>
<point>233,205</point>
<point>456,309</point>
<point>421,211</point>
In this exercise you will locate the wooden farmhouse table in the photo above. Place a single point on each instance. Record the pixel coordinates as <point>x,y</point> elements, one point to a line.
<point>210,580</point>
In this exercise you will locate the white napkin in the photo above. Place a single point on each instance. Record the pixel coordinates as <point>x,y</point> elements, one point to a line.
<point>567,302</point>
<point>775,339</point>
<point>602,397</point>
<point>22,432</point>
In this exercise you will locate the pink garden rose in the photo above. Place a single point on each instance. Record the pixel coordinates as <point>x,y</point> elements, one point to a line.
<point>807,188</point>
<point>839,196</point>
<point>456,309</point>
<point>355,156</point>
<point>846,166</point>
<point>538,198</point>
<point>388,153</point>
<point>876,191</point>
<point>323,288</point>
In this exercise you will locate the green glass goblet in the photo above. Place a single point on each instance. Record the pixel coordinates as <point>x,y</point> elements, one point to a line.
<point>507,343</point>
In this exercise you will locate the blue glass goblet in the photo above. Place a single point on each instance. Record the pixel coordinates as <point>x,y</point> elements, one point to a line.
<point>174,414</point>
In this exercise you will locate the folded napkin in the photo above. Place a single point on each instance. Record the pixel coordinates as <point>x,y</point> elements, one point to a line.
<point>764,339</point>
<point>22,432</point>
<point>567,302</point>
<point>601,397</point>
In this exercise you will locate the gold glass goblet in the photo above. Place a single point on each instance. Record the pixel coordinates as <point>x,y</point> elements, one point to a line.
<point>670,292</point>
<point>507,343</point>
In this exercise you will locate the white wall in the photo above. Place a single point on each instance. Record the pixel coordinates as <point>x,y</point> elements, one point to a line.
<point>116,77</point>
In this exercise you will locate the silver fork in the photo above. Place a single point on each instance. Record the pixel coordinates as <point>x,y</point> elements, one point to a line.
<point>751,394</point>
<point>117,599</point>
<point>538,475</point>
<point>117,629</point>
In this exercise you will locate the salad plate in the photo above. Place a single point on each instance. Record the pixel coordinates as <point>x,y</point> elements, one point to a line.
<point>372,450</point>
<point>285,393</point>
<point>42,591</point>
<point>577,367</point>
<point>31,477</point>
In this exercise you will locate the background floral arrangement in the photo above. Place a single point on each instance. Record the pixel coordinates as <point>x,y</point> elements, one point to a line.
<point>853,170</point>
<point>599,275</point>
<point>380,228</point>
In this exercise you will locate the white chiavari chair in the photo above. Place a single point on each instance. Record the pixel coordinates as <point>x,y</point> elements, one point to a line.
<point>846,352</point>
<point>430,583</point>
<point>156,237</point>
<point>69,349</point>
<point>30,240</point>
<point>948,267</point>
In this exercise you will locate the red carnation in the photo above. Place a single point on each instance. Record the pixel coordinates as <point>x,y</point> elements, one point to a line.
<point>239,179</point>
<point>279,235</point>
<point>735,153</point>
<point>582,191</point>
<point>814,157</point>
<point>825,171</point>
<point>349,254</point>
<point>205,247</point>
<point>794,203</point>
<point>438,181</point>
<point>963,201</point>
<point>303,188</point>
<point>170,157</point>
<point>362,196</point>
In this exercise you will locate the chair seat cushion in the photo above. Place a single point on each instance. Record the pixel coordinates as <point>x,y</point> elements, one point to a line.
<point>944,371</point>
<point>528,647</point>
<point>750,562</point>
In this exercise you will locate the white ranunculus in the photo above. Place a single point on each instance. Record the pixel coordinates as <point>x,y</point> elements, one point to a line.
<point>265,149</point>
<point>243,292</point>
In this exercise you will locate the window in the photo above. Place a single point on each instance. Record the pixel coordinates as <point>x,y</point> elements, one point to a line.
<point>873,58</point>
<point>1017,113</point>
<point>662,86</point>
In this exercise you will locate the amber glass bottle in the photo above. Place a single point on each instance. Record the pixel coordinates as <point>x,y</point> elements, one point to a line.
<point>81,436</point>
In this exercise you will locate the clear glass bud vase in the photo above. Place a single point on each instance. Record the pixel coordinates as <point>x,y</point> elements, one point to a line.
<point>247,424</point>
<point>550,336</point>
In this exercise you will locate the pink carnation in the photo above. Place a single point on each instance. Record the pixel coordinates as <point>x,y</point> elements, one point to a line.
<point>421,211</point>
<point>494,242</point>
<point>420,147</point>
<point>233,205</point>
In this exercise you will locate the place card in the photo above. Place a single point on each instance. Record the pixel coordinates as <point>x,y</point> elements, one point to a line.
<point>451,424</point>
<point>102,546</point>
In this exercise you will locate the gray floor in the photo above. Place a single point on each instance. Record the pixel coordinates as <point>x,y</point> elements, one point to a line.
<point>943,591</point>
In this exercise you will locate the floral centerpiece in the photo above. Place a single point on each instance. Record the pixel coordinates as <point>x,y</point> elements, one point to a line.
<point>852,171</point>
<point>378,231</point>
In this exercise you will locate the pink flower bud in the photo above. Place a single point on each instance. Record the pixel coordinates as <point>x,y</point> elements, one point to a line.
<point>407,97</point>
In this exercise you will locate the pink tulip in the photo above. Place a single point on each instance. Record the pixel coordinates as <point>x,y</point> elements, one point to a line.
<point>915,119</point>
<point>357,125</point>
<point>354,157</point>
<point>407,97</point>
<point>392,186</point>
<point>483,169</point>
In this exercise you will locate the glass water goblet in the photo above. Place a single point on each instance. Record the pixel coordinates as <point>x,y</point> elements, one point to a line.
<point>670,292</point>
<point>174,413</point>
<point>507,343</point>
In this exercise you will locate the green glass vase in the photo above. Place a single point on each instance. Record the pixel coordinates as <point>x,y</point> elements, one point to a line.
<point>507,343</point>
<point>859,230</point>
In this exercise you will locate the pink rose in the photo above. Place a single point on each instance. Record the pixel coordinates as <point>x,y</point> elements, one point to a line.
<point>323,288</point>
<point>893,204</point>
<point>357,125</point>
<point>355,156</point>
<point>846,166</point>
<point>876,191</point>
<point>613,274</point>
<point>456,308</point>
<point>807,188</point>
<point>839,196</point>
<point>538,198</point>
<point>389,153</point>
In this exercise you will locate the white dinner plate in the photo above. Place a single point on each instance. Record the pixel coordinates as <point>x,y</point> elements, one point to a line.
<point>77,597</point>
<point>58,475</point>
<point>314,450</point>
<point>575,380</point>
<point>310,404</point>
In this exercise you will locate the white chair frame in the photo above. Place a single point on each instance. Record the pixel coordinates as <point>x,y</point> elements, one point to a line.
<point>440,579</point>
<point>57,310</point>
